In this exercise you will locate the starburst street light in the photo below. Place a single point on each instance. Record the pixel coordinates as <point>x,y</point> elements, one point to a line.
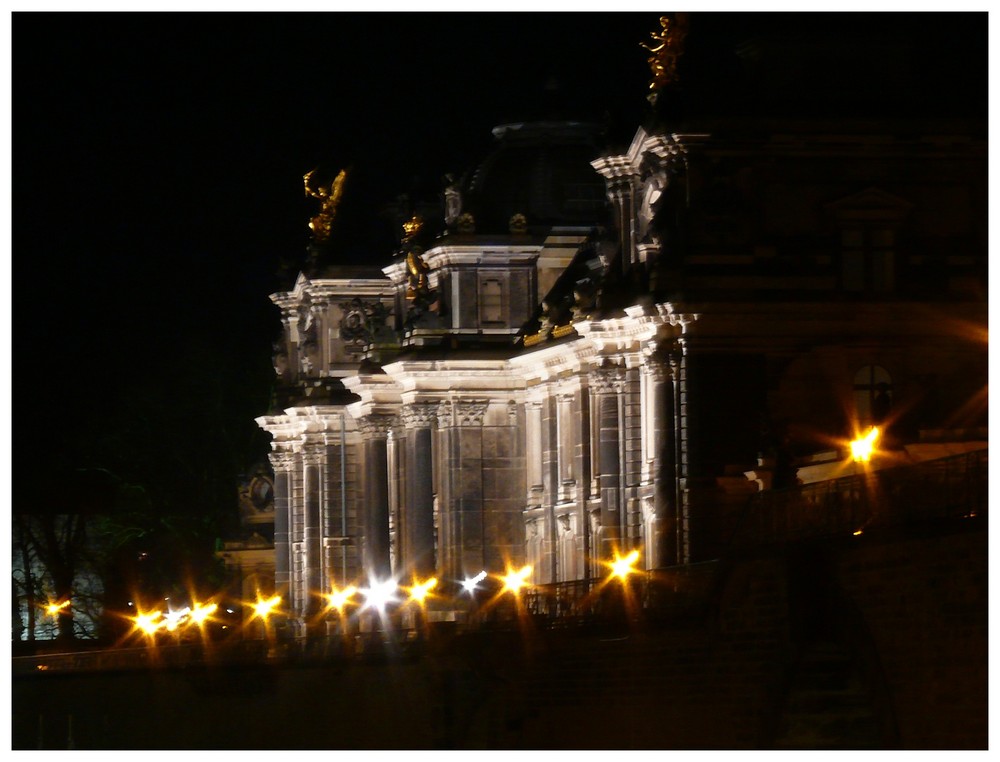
<point>201,612</point>
<point>421,590</point>
<point>263,608</point>
<point>469,583</point>
<point>379,594</point>
<point>515,580</point>
<point>148,622</point>
<point>340,598</point>
<point>53,609</point>
<point>862,448</point>
<point>622,566</point>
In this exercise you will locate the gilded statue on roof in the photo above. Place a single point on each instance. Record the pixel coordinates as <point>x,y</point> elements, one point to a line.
<point>329,197</point>
<point>669,44</point>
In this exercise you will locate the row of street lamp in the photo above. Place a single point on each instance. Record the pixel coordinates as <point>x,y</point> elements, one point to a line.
<point>378,596</point>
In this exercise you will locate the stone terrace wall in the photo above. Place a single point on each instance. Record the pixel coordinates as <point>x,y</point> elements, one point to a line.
<point>910,608</point>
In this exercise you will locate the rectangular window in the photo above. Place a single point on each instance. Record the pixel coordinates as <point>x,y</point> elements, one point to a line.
<point>867,260</point>
<point>491,301</point>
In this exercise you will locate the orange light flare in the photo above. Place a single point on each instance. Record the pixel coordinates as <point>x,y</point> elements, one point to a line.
<point>513,581</point>
<point>148,622</point>
<point>623,566</point>
<point>863,447</point>
<point>420,590</point>
<point>338,599</point>
<point>53,609</point>
<point>202,612</point>
<point>263,608</point>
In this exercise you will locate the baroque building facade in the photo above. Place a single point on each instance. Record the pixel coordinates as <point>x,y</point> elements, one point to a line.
<point>596,351</point>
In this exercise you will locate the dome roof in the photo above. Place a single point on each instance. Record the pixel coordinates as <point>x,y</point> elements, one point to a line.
<point>540,170</point>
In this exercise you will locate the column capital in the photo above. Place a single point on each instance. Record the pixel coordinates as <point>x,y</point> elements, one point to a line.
<point>462,413</point>
<point>282,461</point>
<point>311,456</point>
<point>607,380</point>
<point>377,424</point>
<point>419,415</point>
<point>658,369</point>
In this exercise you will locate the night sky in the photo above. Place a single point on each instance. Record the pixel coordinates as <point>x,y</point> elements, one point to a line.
<point>157,185</point>
<point>157,188</point>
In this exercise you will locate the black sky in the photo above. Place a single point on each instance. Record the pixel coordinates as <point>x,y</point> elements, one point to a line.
<point>158,158</point>
<point>157,176</point>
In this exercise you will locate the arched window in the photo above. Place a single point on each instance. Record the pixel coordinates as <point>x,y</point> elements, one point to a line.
<point>872,395</point>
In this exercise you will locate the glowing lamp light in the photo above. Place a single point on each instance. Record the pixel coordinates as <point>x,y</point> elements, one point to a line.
<point>149,622</point>
<point>263,608</point>
<point>380,594</point>
<point>469,583</point>
<point>515,580</point>
<point>53,609</point>
<point>339,598</point>
<point>863,447</point>
<point>202,612</point>
<point>420,590</point>
<point>174,619</point>
<point>621,567</point>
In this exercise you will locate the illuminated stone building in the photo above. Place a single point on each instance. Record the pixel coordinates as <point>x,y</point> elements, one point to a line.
<point>595,350</point>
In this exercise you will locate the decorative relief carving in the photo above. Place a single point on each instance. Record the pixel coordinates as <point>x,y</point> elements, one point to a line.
<point>462,413</point>
<point>470,413</point>
<point>658,370</point>
<point>361,320</point>
<point>420,415</point>
<point>445,418</point>
<point>311,456</point>
<point>512,413</point>
<point>282,461</point>
<point>607,380</point>
<point>377,424</point>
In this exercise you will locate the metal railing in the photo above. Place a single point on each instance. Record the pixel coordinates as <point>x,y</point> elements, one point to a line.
<point>952,487</point>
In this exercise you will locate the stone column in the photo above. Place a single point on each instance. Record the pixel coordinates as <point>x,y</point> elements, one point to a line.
<point>418,523</point>
<point>607,384</point>
<point>463,548</point>
<point>621,193</point>
<point>312,542</point>
<point>661,549</point>
<point>681,512</point>
<point>376,556</point>
<point>282,463</point>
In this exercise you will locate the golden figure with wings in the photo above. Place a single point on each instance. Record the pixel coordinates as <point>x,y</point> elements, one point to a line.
<point>329,197</point>
<point>670,45</point>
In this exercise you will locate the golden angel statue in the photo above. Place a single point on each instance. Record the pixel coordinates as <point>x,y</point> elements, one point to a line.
<point>668,48</point>
<point>329,197</point>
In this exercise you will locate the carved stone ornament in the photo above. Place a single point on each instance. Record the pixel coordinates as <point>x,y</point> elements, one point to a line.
<point>658,370</point>
<point>377,424</point>
<point>464,413</point>
<point>444,416</point>
<point>518,224</point>
<point>466,223</point>
<point>607,380</point>
<point>419,415</point>
<point>282,461</point>
<point>470,413</point>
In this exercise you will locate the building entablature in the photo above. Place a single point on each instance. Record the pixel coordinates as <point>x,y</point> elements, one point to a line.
<point>378,393</point>
<point>663,147</point>
<point>626,341</point>
<point>299,422</point>
<point>307,290</point>
<point>419,378</point>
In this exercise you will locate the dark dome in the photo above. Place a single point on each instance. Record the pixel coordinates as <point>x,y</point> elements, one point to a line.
<point>541,170</point>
